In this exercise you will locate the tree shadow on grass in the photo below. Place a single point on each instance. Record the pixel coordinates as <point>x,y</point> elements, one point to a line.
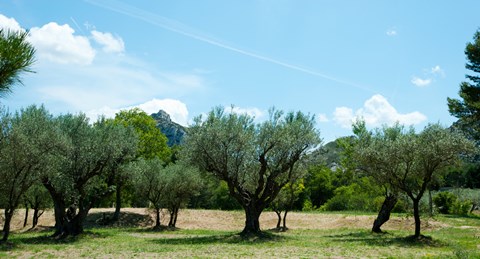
<point>263,237</point>
<point>48,240</point>
<point>386,239</point>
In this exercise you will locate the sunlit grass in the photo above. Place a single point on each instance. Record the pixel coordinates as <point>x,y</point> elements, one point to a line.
<point>460,238</point>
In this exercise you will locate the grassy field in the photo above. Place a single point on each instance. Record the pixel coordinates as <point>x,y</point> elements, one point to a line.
<point>214,234</point>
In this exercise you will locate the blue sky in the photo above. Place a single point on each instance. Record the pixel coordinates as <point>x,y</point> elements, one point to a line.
<point>385,61</point>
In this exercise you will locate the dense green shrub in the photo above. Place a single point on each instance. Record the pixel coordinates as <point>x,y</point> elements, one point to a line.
<point>362,195</point>
<point>445,201</point>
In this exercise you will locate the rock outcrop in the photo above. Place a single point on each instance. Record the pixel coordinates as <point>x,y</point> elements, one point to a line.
<point>174,131</point>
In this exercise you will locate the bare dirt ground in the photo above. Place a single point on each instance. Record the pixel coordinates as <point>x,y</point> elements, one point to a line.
<point>226,220</point>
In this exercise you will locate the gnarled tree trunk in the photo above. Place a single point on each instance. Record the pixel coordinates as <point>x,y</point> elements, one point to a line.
<point>252,223</point>
<point>384,213</point>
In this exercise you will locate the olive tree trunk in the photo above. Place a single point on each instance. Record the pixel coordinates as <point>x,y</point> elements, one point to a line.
<point>416,216</point>
<point>252,223</point>
<point>384,213</point>
<point>6,226</point>
<point>118,202</point>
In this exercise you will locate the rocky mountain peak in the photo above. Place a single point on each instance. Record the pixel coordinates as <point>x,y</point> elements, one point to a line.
<point>174,131</point>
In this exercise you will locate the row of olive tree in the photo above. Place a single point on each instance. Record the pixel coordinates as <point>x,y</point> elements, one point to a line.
<point>79,164</point>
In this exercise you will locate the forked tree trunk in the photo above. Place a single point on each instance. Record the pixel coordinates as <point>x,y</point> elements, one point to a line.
<point>36,215</point>
<point>6,225</point>
<point>172,223</point>
<point>252,223</point>
<point>416,216</point>
<point>384,213</point>
<point>279,216</point>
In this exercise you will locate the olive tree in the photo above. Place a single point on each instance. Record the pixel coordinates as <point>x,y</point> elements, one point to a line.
<point>435,149</point>
<point>255,159</point>
<point>17,55</point>
<point>38,199</point>
<point>285,200</point>
<point>150,181</point>
<point>381,154</point>
<point>151,143</point>
<point>78,179</point>
<point>28,140</point>
<point>182,183</point>
<point>409,162</point>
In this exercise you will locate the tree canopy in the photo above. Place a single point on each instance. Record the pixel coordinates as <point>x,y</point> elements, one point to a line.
<point>402,160</point>
<point>255,160</point>
<point>467,109</point>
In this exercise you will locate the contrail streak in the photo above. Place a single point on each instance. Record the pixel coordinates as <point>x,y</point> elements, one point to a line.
<point>76,24</point>
<point>182,29</point>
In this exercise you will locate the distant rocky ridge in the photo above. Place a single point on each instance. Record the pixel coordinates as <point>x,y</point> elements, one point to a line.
<point>174,131</point>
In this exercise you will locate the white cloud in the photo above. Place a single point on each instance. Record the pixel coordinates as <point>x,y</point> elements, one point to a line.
<point>254,112</point>
<point>110,43</point>
<point>103,83</point>
<point>9,24</point>
<point>437,70</point>
<point>322,118</point>
<point>376,111</point>
<point>421,82</point>
<point>176,109</point>
<point>343,116</point>
<point>57,43</point>
<point>391,32</point>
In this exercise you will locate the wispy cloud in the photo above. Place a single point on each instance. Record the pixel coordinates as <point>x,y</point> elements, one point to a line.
<point>421,82</point>
<point>430,76</point>
<point>437,70</point>
<point>322,118</point>
<point>391,32</point>
<point>179,28</point>
<point>110,43</point>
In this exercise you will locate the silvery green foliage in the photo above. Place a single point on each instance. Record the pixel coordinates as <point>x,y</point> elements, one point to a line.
<point>150,180</point>
<point>29,139</point>
<point>182,183</point>
<point>403,160</point>
<point>255,159</point>
<point>79,173</point>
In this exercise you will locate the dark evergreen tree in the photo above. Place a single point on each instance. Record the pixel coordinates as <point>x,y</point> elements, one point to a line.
<point>467,109</point>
